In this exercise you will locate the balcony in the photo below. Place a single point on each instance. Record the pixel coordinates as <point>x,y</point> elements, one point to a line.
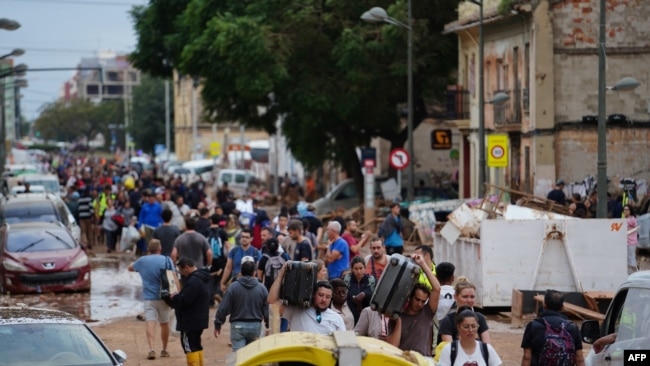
<point>509,112</point>
<point>457,102</point>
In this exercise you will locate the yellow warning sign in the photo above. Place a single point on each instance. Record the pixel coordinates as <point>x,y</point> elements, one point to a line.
<point>497,154</point>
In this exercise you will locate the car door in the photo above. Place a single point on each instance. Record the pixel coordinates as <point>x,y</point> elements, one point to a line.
<point>629,318</point>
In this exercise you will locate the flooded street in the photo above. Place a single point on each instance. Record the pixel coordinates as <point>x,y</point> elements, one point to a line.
<point>115,293</point>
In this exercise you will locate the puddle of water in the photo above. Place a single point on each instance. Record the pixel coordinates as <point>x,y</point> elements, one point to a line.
<point>115,293</point>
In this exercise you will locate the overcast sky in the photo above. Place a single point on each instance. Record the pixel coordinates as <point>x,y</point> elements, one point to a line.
<point>58,33</point>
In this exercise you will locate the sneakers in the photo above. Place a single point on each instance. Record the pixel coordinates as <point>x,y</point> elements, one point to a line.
<point>164,353</point>
<point>152,355</point>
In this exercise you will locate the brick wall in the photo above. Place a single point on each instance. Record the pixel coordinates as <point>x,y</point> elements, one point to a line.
<point>627,152</point>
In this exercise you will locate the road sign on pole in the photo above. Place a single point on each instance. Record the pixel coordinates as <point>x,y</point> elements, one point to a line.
<point>399,158</point>
<point>497,150</point>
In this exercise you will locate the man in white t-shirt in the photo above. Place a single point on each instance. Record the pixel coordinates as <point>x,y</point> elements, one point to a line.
<point>318,318</point>
<point>445,275</point>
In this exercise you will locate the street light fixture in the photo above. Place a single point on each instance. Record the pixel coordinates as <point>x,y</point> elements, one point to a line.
<point>377,15</point>
<point>499,98</point>
<point>9,24</point>
<point>15,52</point>
<point>625,84</point>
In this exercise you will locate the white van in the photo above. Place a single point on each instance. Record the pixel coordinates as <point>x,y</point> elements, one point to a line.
<point>49,181</point>
<point>203,168</point>
<point>238,180</point>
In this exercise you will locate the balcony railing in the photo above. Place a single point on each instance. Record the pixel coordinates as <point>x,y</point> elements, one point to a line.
<point>457,102</point>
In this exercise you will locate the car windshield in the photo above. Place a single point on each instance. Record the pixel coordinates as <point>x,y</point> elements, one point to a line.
<point>50,185</point>
<point>39,241</point>
<point>50,344</point>
<point>16,212</point>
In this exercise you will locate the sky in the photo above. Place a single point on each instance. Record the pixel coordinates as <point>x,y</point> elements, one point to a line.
<point>57,34</point>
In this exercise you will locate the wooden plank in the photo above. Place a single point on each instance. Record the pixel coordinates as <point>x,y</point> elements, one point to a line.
<point>517,316</point>
<point>599,295</point>
<point>579,311</point>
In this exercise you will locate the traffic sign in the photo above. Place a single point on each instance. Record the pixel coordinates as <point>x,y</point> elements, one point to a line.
<point>399,158</point>
<point>215,149</point>
<point>498,150</point>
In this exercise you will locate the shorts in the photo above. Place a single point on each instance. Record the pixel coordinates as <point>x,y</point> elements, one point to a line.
<point>156,310</point>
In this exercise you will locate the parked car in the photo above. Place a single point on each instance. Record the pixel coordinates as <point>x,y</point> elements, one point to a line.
<point>628,316</point>
<point>239,181</point>
<point>49,181</point>
<point>38,207</point>
<point>41,257</point>
<point>202,167</point>
<point>16,190</point>
<point>31,336</point>
<point>345,195</point>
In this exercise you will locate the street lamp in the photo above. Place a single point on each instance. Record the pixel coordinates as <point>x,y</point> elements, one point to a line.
<point>377,15</point>
<point>15,52</point>
<point>9,24</point>
<point>625,84</point>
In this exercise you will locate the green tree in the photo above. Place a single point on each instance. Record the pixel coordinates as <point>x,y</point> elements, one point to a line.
<point>148,127</point>
<point>336,81</point>
<point>77,118</point>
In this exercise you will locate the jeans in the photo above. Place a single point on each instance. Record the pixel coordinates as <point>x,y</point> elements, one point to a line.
<point>243,333</point>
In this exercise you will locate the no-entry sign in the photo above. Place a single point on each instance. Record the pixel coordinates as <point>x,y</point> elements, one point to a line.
<point>399,158</point>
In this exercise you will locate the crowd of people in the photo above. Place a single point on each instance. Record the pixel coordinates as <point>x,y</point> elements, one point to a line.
<point>619,206</point>
<point>232,254</point>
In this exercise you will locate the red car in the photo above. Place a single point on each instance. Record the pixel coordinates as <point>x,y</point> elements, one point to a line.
<point>41,257</point>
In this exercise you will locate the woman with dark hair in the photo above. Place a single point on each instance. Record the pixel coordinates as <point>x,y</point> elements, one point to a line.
<point>632,238</point>
<point>360,287</point>
<point>468,350</point>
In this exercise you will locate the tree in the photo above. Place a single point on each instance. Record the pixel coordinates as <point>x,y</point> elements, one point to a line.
<point>336,81</point>
<point>148,127</point>
<point>69,120</point>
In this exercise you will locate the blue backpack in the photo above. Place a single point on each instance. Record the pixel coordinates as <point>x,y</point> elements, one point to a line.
<point>216,245</point>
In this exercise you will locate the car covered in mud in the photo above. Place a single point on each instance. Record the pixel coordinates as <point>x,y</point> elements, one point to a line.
<point>38,257</point>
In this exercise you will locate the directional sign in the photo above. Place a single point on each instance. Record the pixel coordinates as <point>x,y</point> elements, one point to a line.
<point>498,150</point>
<point>399,158</point>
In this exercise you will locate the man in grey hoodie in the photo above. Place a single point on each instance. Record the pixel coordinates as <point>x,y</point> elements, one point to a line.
<point>246,301</point>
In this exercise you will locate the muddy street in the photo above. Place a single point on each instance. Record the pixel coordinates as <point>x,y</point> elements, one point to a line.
<point>115,292</point>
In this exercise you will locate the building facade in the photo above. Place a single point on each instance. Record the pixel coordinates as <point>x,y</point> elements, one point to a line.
<point>543,55</point>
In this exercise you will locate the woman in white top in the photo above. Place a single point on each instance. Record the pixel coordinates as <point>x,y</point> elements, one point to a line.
<point>468,350</point>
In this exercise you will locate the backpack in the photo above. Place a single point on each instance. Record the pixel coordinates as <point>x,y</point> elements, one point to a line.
<point>484,352</point>
<point>371,281</point>
<point>273,266</point>
<point>558,347</point>
<point>216,245</point>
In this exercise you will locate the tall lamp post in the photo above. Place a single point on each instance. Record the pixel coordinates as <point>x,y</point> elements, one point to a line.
<point>377,15</point>
<point>625,84</point>
<point>7,24</point>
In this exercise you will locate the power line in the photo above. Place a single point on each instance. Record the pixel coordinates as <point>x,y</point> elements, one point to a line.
<point>80,2</point>
<point>67,50</point>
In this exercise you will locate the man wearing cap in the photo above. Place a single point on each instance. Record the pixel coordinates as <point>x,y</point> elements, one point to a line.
<point>246,301</point>
<point>235,256</point>
<point>557,194</point>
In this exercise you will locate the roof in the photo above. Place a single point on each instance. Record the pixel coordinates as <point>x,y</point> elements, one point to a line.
<point>27,315</point>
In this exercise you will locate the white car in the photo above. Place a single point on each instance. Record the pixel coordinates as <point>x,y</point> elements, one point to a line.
<point>629,317</point>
